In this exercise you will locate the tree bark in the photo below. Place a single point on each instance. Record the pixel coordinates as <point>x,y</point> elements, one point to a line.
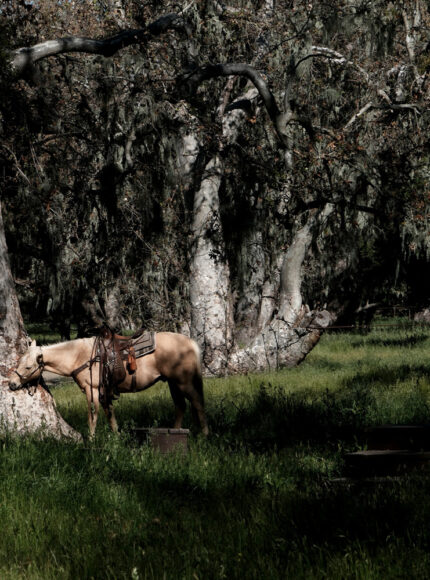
<point>212,321</point>
<point>290,333</point>
<point>211,310</point>
<point>24,58</point>
<point>20,413</point>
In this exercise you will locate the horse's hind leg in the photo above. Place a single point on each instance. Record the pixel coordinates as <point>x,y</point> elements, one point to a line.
<point>197,408</point>
<point>179,402</point>
<point>194,392</point>
<point>110,415</point>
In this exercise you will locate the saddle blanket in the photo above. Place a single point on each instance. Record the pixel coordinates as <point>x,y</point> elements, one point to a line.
<point>143,344</point>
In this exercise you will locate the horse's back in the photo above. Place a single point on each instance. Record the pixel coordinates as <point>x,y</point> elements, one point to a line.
<point>173,340</point>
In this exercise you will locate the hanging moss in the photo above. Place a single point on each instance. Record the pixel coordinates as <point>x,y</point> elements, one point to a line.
<point>103,169</point>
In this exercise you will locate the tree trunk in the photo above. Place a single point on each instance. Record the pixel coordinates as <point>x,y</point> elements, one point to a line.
<point>275,329</point>
<point>212,321</point>
<point>284,331</point>
<point>289,333</point>
<point>21,413</point>
<point>211,312</point>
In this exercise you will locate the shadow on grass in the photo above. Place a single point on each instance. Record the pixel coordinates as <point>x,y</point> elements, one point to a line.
<point>405,341</point>
<point>279,505</point>
<point>368,516</point>
<point>276,418</point>
<point>387,377</point>
<point>168,510</point>
<point>312,517</point>
<point>322,363</point>
<point>411,340</point>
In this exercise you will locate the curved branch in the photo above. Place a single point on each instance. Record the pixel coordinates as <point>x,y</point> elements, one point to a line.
<point>24,58</point>
<point>333,56</point>
<point>211,71</point>
<point>279,119</point>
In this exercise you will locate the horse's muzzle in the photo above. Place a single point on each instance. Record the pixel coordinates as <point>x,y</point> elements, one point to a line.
<point>14,386</point>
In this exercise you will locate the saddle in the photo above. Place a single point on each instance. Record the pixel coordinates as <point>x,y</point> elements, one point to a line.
<point>117,355</point>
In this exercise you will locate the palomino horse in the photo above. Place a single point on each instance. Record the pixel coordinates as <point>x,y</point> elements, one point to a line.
<point>176,360</point>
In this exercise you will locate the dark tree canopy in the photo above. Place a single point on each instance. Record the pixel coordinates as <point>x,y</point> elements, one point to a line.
<point>307,123</point>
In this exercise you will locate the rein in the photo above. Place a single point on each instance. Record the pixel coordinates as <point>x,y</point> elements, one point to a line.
<point>100,354</point>
<point>95,357</point>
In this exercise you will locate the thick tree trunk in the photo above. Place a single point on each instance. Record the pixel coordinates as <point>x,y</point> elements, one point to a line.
<point>289,333</point>
<point>21,413</point>
<point>211,311</point>
<point>212,321</point>
<point>275,328</point>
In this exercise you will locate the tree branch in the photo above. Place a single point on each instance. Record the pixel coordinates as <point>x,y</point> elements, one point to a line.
<point>333,56</point>
<point>279,119</point>
<point>24,58</point>
<point>359,114</point>
<point>389,107</point>
<point>211,71</point>
<point>17,165</point>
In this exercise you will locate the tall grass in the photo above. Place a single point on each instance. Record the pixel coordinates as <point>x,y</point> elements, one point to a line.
<point>257,499</point>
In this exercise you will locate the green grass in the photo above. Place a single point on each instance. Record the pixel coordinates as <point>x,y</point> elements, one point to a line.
<point>256,500</point>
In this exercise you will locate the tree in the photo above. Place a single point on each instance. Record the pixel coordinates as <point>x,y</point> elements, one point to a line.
<point>295,168</point>
<point>20,413</point>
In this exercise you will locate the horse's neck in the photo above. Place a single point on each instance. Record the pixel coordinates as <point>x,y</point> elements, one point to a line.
<point>65,357</point>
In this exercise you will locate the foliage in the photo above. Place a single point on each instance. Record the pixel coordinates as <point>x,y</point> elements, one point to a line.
<point>257,499</point>
<point>90,161</point>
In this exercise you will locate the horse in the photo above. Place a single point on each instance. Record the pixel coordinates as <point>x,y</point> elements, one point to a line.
<point>176,359</point>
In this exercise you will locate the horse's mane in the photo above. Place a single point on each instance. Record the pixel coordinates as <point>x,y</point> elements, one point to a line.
<point>67,342</point>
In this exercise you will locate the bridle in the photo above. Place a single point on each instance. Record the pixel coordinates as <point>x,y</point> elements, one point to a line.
<point>40,381</point>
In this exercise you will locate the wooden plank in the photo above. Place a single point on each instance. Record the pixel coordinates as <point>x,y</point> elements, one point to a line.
<point>163,439</point>
<point>385,462</point>
<point>412,437</point>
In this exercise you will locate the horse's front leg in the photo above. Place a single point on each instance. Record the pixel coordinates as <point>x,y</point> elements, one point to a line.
<point>93,409</point>
<point>110,415</point>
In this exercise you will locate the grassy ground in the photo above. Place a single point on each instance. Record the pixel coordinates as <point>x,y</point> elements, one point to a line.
<point>256,500</point>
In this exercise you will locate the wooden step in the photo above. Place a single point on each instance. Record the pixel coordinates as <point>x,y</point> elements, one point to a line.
<point>163,439</point>
<point>385,462</point>
<point>411,437</point>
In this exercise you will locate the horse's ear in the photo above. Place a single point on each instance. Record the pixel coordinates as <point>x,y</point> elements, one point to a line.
<point>33,343</point>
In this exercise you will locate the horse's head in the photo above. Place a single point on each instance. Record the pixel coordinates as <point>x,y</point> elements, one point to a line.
<point>30,367</point>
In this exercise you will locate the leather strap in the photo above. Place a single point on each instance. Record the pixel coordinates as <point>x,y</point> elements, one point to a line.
<point>79,370</point>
